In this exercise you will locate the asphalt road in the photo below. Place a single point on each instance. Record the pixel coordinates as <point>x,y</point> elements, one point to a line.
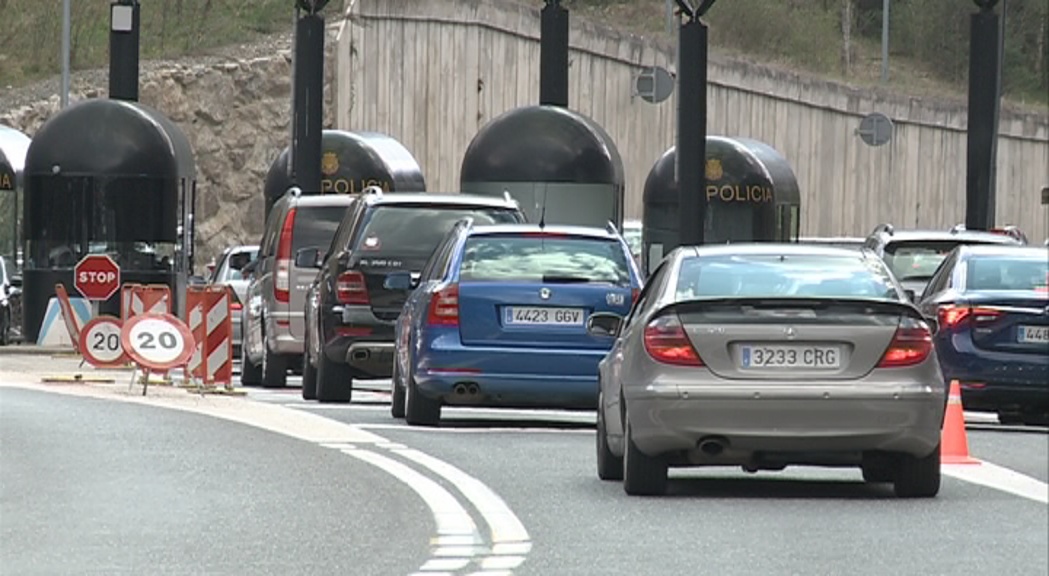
<point>131,488</point>
<point>92,486</point>
<point>800,521</point>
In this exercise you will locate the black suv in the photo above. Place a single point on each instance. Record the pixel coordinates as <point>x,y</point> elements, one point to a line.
<point>350,312</point>
<point>914,255</point>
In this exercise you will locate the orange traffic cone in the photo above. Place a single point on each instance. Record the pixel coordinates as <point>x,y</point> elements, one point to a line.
<point>954,444</point>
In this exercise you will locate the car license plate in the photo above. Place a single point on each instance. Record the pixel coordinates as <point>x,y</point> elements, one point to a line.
<point>819,357</point>
<point>541,316</point>
<point>1034,334</point>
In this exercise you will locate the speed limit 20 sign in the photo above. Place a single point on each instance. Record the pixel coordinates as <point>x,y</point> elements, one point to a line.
<point>157,341</point>
<point>100,342</point>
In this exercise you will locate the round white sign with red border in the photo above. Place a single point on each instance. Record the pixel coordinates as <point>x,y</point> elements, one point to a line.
<point>157,341</point>
<point>100,342</point>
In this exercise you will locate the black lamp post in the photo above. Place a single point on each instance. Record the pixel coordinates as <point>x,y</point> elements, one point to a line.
<point>985,91</point>
<point>553,55</point>
<point>123,49</point>
<point>692,122</point>
<point>307,95</point>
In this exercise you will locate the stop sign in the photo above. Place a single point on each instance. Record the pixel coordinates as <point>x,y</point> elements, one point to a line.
<point>97,277</point>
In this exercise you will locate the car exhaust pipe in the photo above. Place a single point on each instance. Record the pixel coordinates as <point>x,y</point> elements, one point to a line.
<point>473,389</point>
<point>712,445</point>
<point>360,355</point>
<point>460,389</point>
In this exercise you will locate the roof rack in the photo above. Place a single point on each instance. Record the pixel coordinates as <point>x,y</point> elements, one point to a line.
<point>466,222</point>
<point>294,192</point>
<point>884,227</point>
<point>1011,231</point>
<point>509,198</point>
<point>610,227</point>
<point>369,190</point>
<point>957,228</point>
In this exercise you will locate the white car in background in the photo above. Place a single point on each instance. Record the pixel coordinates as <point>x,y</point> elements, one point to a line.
<point>227,272</point>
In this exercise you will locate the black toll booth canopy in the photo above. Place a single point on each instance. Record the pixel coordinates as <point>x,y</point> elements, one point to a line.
<point>557,163</point>
<point>107,177</point>
<point>751,192</point>
<point>350,162</point>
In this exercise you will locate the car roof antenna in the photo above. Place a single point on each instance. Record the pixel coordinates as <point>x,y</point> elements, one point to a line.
<point>542,211</point>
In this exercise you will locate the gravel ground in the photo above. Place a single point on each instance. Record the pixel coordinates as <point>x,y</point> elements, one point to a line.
<point>15,97</point>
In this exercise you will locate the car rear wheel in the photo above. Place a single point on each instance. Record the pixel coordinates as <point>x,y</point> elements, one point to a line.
<point>274,369</point>
<point>397,393</point>
<point>334,382</point>
<point>418,409</point>
<point>309,379</point>
<point>609,466</point>
<point>918,477</point>
<point>643,475</point>
<point>250,372</point>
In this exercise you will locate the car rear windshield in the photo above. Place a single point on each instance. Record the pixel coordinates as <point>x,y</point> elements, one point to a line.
<point>1007,273</point>
<point>769,275</point>
<point>919,259</point>
<point>412,230</point>
<point>544,258</point>
<point>315,226</point>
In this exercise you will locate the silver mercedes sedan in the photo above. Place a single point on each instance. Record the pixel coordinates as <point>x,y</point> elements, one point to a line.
<point>769,355</point>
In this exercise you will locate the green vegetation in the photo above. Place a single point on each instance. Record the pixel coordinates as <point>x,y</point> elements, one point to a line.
<point>30,47</point>
<point>928,39</point>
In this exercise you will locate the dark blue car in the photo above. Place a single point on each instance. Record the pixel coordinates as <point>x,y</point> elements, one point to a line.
<point>992,307</point>
<point>498,318</point>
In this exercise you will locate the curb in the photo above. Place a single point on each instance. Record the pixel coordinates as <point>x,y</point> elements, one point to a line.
<point>34,350</point>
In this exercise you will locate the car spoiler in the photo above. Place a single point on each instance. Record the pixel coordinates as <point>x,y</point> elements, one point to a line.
<point>869,305</point>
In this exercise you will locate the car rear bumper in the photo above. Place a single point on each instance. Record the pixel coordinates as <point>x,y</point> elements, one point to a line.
<point>358,338</point>
<point>508,376</point>
<point>995,381</point>
<point>812,419</point>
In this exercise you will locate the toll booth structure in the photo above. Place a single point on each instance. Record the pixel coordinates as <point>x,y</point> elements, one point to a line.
<point>13,147</point>
<point>350,162</point>
<point>751,195</point>
<point>561,166</point>
<point>107,177</point>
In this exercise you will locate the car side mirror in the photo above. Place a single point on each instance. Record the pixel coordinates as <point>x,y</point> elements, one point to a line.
<point>249,268</point>
<point>400,281</point>
<point>910,295</point>
<point>934,325</point>
<point>16,281</point>
<point>604,324</point>
<point>308,257</point>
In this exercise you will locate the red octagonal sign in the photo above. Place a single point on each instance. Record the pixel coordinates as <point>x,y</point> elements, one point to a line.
<point>97,277</point>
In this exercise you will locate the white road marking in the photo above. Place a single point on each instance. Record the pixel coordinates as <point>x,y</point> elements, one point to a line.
<point>504,525</point>
<point>999,478</point>
<point>553,429</point>
<point>457,541</point>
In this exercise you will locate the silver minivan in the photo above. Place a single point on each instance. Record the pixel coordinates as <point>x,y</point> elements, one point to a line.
<point>273,309</point>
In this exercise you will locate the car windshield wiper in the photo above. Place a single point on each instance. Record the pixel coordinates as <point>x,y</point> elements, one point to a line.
<point>566,279</point>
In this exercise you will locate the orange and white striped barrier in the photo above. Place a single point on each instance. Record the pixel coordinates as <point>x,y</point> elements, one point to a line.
<point>208,317</point>
<point>68,316</point>
<point>136,299</point>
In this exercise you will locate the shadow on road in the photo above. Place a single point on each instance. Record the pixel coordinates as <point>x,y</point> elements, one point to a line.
<point>513,423</point>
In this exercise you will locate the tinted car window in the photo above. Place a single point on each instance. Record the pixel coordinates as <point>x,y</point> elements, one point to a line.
<point>1012,273</point>
<point>408,230</point>
<point>534,258</point>
<point>918,259</point>
<point>773,275</point>
<point>315,226</point>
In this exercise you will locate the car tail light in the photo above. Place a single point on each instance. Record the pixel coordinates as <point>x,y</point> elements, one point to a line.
<point>282,275</point>
<point>351,289</point>
<point>666,342</point>
<point>444,307</point>
<point>911,345</point>
<point>234,301</point>
<point>951,315</point>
